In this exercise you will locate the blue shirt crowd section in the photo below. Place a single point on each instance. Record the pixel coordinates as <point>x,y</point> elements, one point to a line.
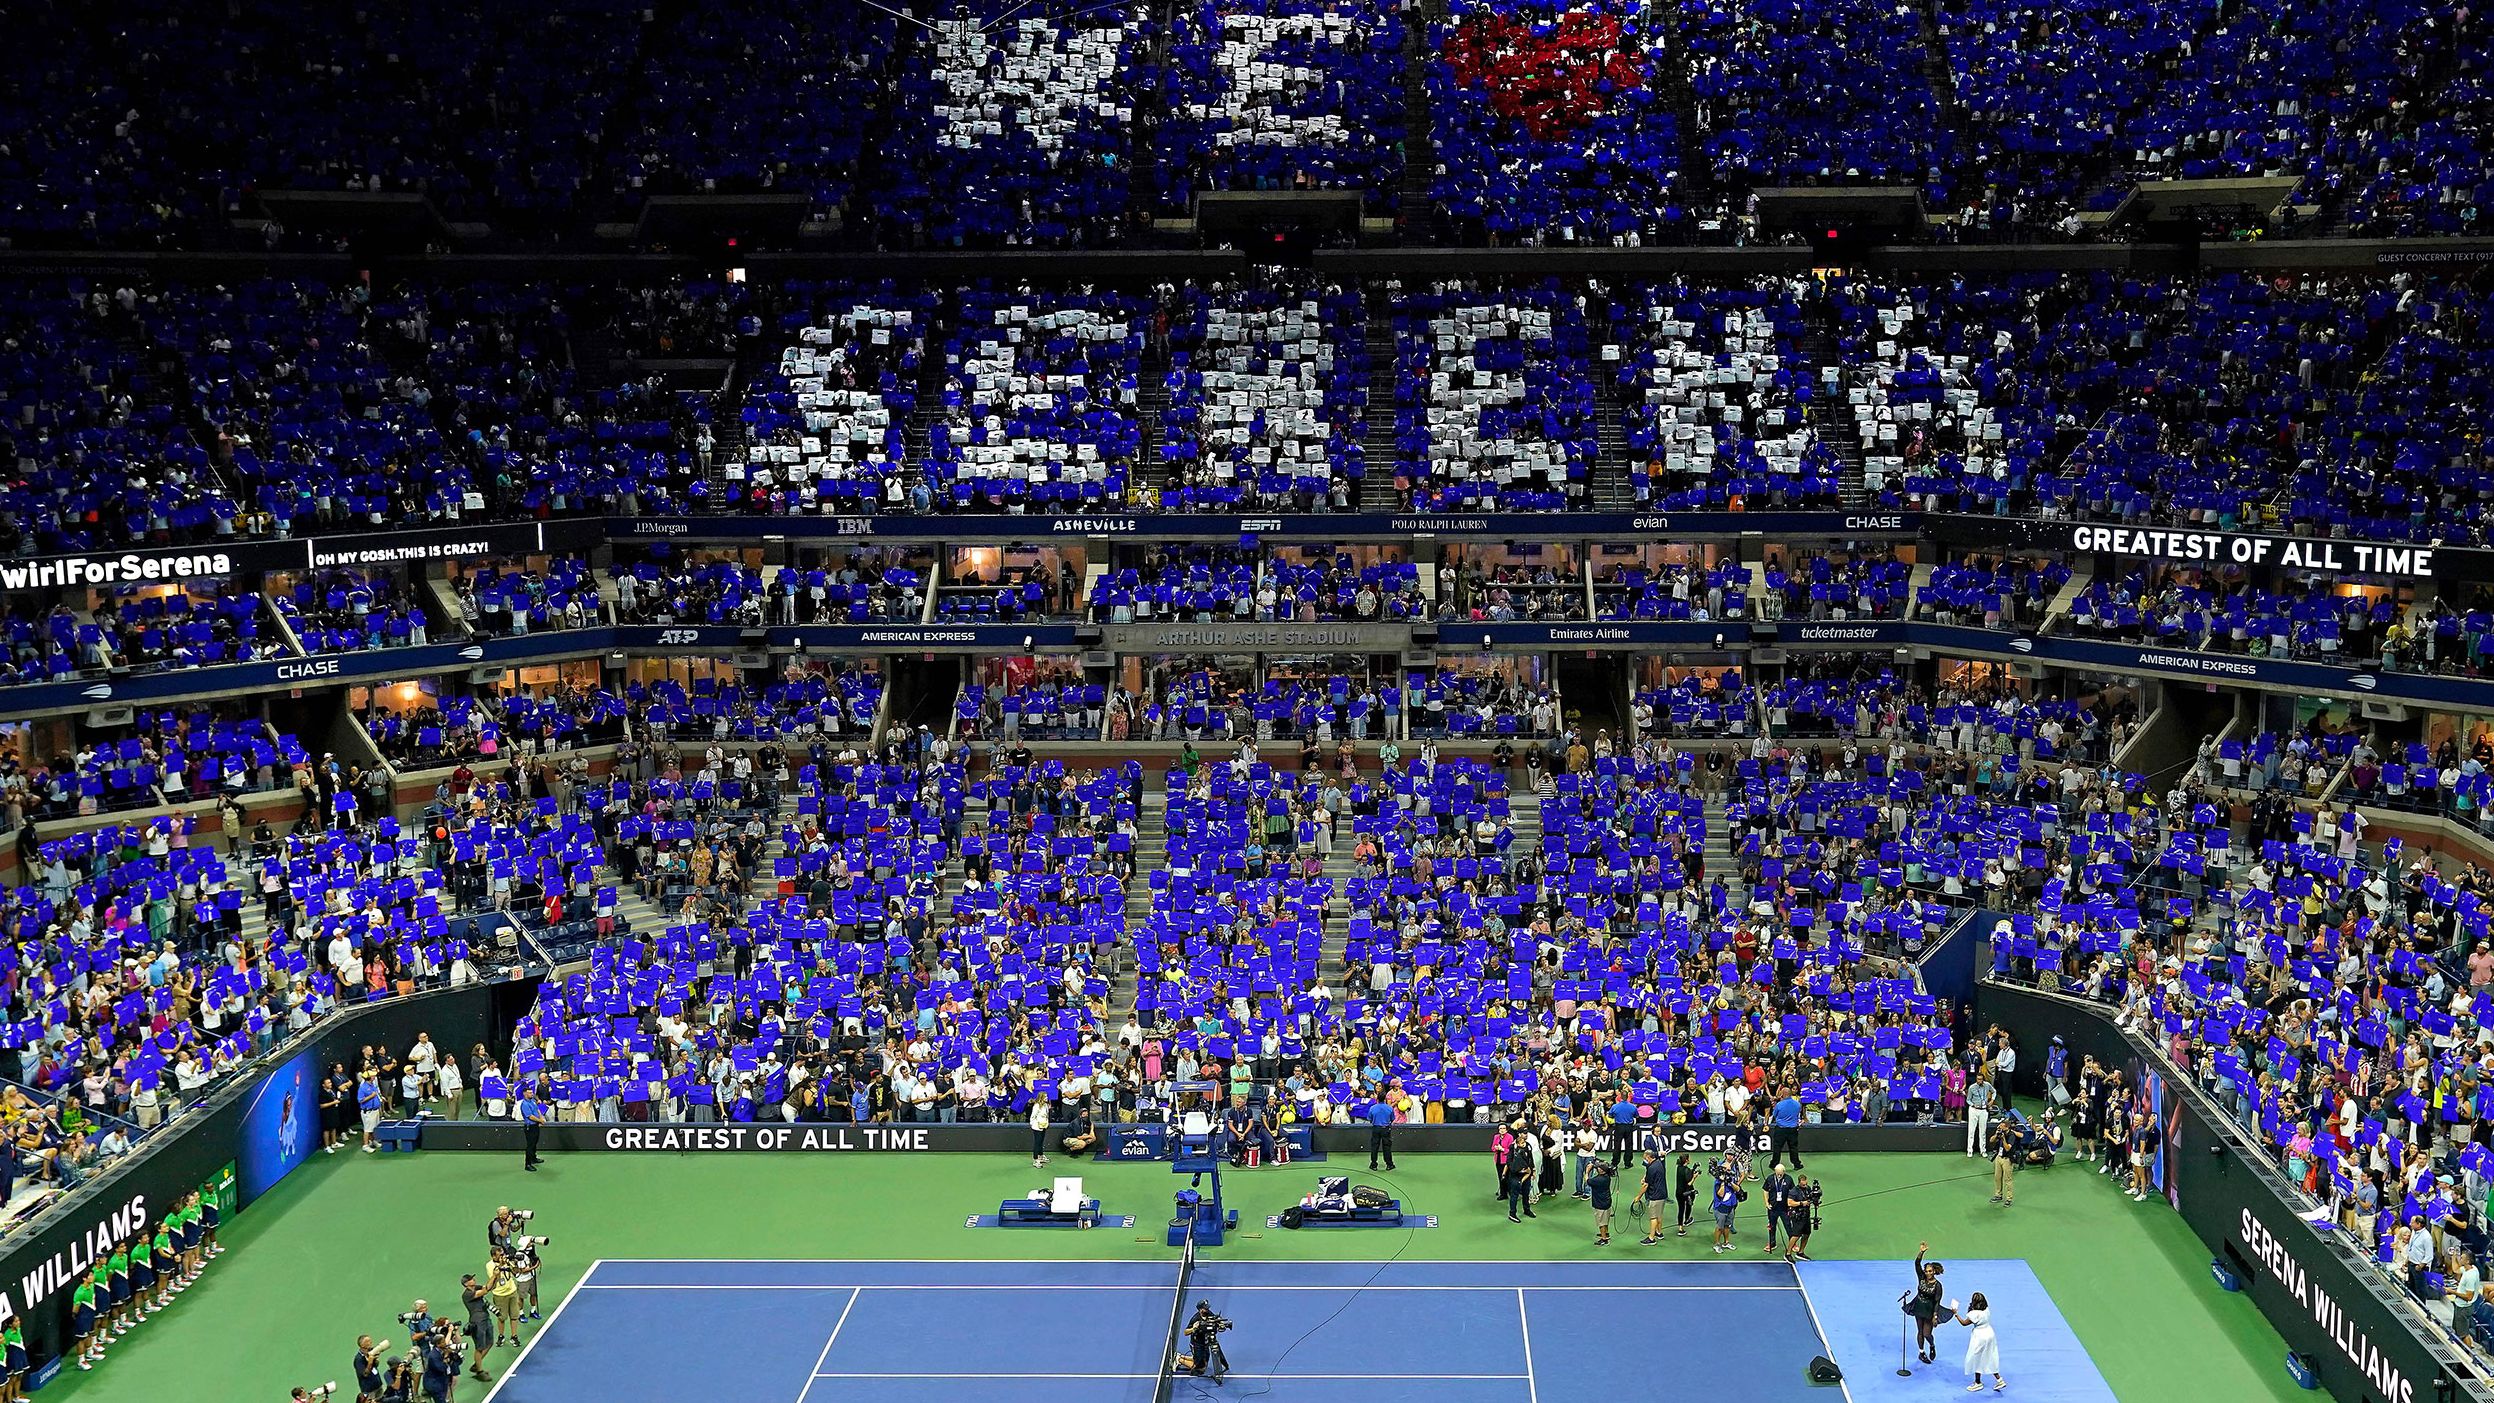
<point>128,957</point>
<point>1487,972</point>
<point>980,123</point>
<point>2308,404</point>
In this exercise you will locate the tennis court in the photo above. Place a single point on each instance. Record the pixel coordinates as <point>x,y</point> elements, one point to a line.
<point>1036,1332</point>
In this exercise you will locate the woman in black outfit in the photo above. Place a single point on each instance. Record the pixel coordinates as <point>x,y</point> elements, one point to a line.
<point>333,1091</point>
<point>2087,1109</point>
<point>1923,1304</point>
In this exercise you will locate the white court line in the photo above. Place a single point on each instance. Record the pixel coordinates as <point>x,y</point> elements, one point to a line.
<point>1708,1264</point>
<point>1524,1318</point>
<point>854,1293</point>
<point>1059,1287</point>
<point>1825,1347</point>
<point>873,1375</point>
<point>543,1328</point>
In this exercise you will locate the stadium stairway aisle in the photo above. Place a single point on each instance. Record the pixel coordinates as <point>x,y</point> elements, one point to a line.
<point>1151,854</point>
<point>1414,200</point>
<point>1831,418</point>
<point>1607,478</point>
<point>1378,453</point>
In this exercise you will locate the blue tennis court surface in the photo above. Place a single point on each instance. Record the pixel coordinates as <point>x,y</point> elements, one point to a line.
<point>1059,1332</point>
<point>2039,1353</point>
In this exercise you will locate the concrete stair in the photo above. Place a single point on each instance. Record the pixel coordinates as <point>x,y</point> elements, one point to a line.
<point>1523,818</point>
<point>1719,856</point>
<point>1152,469</point>
<point>729,440</point>
<point>1151,854</point>
<point>1831,418</point>
<point>1415,204</point>
<point>2056,613</point>
<point>1377,492</point>
<point>1607,478</point>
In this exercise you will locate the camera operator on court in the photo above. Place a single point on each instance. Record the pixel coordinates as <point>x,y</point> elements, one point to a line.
<point>319,1394</point>
<point>1203,1339</point>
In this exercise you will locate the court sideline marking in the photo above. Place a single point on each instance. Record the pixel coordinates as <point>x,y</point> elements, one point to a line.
<point>854,1293</point>
<point>1826,1346</point>
<point>871,1374</point>
<point>1524,1320</point>
<point>1699,1264</point>
<point>1114,1286</point>
<point>544,1327</point>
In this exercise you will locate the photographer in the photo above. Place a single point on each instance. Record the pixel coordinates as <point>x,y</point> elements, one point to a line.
<point>400,1385</point>
<point>315,1395</point>
<point>371,1370</point>
<point>441,1362</point>
<point>502,1290</point>
<point>476,1297</point>
<point>500,1228</point>
<point>524,1274</point>
<point>1203,1339</point>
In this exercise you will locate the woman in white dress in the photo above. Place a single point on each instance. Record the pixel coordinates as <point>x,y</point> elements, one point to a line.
<point>1982,1347</point>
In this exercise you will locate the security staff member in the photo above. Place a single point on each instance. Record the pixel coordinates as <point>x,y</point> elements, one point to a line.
<point>532,1123</point>
<point>1623,1131</point>
<point>1380,1133</point>
<point>1784,1130</point>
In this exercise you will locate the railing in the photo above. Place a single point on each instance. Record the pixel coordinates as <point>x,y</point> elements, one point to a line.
<point>2253,1142</point>
<point>226,1077</point>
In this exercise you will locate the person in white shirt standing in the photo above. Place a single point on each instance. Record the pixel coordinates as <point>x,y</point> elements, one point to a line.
<point>423,1060</point>
<point>450,1084</point>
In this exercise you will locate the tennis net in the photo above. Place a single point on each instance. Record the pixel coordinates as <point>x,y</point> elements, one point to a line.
<point>1177,1321</point>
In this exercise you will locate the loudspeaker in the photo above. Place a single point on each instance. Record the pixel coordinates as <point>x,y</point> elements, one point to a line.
<point>1823,1370</point>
